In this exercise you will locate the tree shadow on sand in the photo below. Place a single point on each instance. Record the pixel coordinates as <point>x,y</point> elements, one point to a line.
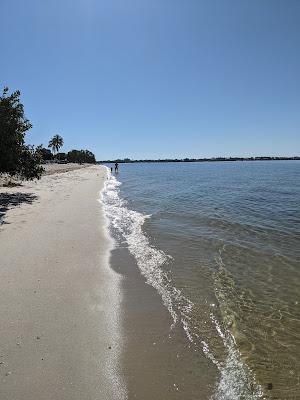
<point>11,200</point>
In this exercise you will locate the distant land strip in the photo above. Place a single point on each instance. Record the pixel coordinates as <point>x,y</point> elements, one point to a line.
<point>213,159</point>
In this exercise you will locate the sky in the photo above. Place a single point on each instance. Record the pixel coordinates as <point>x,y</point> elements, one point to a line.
<point>157,78</point>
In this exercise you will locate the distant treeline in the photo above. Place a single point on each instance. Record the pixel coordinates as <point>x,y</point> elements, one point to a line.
<point>73,156</point>
<point>128,160</point>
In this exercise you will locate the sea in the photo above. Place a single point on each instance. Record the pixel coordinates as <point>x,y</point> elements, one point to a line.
<point>220,243</point>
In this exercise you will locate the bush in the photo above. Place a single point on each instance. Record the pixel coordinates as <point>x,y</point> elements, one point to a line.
<point>45,154</point>
<point>16,158</point>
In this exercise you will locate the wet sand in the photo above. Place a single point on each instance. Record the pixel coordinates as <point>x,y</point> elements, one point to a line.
<point>59,300</point>
<point>157,362</point>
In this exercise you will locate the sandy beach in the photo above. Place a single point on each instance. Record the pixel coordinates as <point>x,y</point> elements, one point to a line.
<point>77,320</point>
<point>60,336</point>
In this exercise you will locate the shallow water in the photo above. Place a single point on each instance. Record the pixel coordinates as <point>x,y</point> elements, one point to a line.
<point>220,244</point>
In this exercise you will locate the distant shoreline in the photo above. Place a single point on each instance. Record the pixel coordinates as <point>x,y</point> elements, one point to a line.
<point>214,159</point>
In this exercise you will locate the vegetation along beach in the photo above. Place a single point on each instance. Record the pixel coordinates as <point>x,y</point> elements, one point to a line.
<point>149,200</point>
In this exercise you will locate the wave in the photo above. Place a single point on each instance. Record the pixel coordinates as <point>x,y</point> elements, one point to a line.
<point>236,380</point>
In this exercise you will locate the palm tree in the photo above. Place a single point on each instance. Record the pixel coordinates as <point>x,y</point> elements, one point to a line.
<point>56,143</point>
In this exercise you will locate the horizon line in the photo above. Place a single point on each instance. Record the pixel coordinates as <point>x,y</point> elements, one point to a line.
<point>212,159</point>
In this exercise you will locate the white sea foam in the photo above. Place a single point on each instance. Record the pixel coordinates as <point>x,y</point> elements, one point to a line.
<point>236,380</point>
<point>127,224</point>
<point>111,363</point>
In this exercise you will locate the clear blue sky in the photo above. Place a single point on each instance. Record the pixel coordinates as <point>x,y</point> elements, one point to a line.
<point>157,78</point>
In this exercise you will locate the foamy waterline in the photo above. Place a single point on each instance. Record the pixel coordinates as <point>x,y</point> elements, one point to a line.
<point>237,381</point>
<point>112,363</point>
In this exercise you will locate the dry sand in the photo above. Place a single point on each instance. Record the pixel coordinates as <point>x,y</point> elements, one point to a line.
<point>49,169</point>
<point>59,300</point>
<point>54,168</point>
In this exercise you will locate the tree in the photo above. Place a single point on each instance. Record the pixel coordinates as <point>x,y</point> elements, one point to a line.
<point>61,156</point>
<point>30,167</point>
<point>81,156</point>
<point>45,154</point>
<point>89,157</point>
<point>56,143</point>
<point>74,156</point>
<point>16,158</point>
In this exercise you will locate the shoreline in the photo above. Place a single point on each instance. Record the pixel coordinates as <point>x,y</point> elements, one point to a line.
<point>162,359</point>
<point>158,360</point>
<point>60,300</point>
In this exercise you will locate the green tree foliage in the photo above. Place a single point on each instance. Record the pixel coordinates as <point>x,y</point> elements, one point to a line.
<point>81,156</point>
<point>56,143</point>
<point>30,165</point>
<point>16,158</point>
<point>62,156</point>
<point>45,154</point>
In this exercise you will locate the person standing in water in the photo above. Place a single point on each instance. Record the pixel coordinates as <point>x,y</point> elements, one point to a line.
<point>116,167</point>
